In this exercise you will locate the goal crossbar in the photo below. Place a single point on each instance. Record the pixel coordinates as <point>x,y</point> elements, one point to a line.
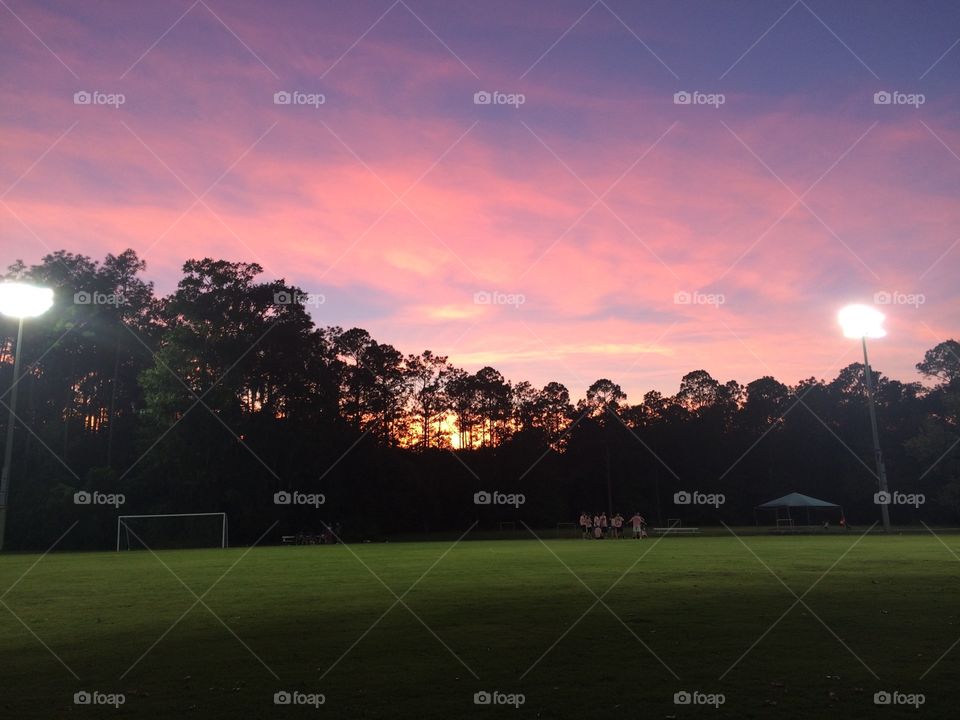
<point>223,532</point>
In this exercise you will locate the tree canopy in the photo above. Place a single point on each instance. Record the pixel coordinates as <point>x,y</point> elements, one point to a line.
<point>225,391</point>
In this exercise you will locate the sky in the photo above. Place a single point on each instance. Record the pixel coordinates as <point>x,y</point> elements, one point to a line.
<point>565,190</point>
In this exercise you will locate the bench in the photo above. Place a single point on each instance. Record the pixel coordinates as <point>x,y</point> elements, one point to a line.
<point>676,531</point>
<point>304,539</point>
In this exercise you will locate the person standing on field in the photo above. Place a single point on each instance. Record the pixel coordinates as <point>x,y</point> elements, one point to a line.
<point>638,522</point>
<point>617,523</point>
<point>585,525</point>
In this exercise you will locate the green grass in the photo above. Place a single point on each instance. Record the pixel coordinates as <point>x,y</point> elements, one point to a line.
<point>698,603</point>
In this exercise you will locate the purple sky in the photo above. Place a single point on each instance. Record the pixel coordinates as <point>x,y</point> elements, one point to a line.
<point>600,228</point>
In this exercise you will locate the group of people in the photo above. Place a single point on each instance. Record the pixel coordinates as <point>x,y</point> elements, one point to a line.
<point>597,525</point>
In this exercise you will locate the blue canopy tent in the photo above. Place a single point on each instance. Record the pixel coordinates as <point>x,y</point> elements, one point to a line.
<point>797,501</point>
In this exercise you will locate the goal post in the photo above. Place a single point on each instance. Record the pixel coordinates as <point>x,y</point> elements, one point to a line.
<point>210,530</point>
<point>785,525</point>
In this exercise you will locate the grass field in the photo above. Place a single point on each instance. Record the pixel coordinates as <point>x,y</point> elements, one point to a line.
<point>698,604</point>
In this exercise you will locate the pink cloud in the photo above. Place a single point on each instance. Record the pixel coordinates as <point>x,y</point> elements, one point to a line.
<point>498,212</point>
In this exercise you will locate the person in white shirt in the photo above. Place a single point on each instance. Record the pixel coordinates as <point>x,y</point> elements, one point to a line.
<point>638,522</point>
<point>617,523</point>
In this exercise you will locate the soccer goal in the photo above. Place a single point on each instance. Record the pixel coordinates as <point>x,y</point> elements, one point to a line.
<point>568,529</point>
<point>507,526</point>
<point>172,531</point>
<point>785,524</point>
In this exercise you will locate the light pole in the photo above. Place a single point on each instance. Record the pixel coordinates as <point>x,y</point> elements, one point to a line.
<point>862,322</point>
<point>20,301</point>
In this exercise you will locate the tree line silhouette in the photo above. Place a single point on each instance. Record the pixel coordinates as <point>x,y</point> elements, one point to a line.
<point>225,392</point>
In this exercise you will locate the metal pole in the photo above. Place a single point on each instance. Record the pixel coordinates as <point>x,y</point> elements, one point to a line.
<point>8,450</point>
<point>609,488</point>
<point>878,456</point>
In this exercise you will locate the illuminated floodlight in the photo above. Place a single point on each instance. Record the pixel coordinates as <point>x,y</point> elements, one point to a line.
<point>19,300</point>
<point>861,321</point>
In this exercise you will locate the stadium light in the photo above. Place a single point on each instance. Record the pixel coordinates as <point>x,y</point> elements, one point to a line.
<point>862,322</point>
<point>20,301</point>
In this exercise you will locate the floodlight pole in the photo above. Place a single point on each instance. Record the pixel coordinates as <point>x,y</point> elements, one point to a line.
<point>878,456</point>
<point>8,450</point>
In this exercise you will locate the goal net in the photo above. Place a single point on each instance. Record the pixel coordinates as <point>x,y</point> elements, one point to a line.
<point>568,529</point>
<point>172,531</point>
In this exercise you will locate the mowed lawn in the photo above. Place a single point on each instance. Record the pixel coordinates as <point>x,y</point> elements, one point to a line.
<point>509,616</point>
